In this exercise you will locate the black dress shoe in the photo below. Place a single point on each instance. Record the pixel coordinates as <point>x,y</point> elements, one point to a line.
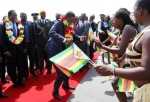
<point>68,89</point>
<point>57,97</point>
<point>48,72</point>
<point>18,84</point>
<point>33,73</point>
<point>71,88</point>
<point>2,95</point>
<point>5,81</point>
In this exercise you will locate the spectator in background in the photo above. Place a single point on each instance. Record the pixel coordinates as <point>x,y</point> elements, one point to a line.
<point>35,31</point>
<point>2,44</point>
<point>103,26</point>
<point>82,29</point>
<point>92,23</point>
<point>2,95</point>
<point>92,33</point>
<point>28,44</point>
<point>14,50</point>
<point>58,18</point>
<point>45,25</point>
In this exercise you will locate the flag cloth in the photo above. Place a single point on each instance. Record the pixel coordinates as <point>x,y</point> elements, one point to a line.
<point>111,35</point>
<point>71,60</point>
<point>126,85</point>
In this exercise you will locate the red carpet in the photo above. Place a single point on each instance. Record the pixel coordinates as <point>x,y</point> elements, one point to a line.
<point>39,89</point>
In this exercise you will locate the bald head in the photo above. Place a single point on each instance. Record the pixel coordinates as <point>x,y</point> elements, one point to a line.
<point>43,14</point>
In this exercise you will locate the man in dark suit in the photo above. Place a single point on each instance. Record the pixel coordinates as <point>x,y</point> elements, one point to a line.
<point>1,59</point>
<point>56,44</point>
<point>2,65</point>
<point>57,18</point>
<point>82,29</point>
<point>13,52</point>
<point>2,41</point>
<point>45,25</point>
<point>35,31</point>
<point>93,27</point>
<point>1,93</point>
<point>28,45</point>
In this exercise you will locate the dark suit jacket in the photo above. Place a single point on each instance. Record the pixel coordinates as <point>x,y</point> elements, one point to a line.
<point>9,46</point>
<point>1,39</point>
<point>45,27</point>
<point>35,33</point>
<point>56,37</point>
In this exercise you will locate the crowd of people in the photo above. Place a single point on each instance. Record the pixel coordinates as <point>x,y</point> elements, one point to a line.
<point>26,46</point>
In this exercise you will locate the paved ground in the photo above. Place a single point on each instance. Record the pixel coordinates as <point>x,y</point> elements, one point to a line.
<point>93,88</point>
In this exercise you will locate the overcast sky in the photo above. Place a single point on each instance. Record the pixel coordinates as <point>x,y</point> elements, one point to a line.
<point>61,6</point>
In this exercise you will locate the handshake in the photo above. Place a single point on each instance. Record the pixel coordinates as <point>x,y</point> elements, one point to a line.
<point>68,40</point>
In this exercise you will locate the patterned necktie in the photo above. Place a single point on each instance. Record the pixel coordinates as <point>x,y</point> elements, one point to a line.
<point>14,30</point>
<point>43,21</point>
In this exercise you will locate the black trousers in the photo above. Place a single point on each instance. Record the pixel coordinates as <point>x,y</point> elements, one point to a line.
<point>11,64</point>
<point>30,53</point>
<point>61,79</point>
<point>46,58</point>
<point>16,64</point>
<point>43,57</point>
<point>2,67</point>
<point>36,57</point>
<point>0,87</point>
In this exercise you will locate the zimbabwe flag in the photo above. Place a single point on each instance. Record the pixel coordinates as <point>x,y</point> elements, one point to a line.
<point>71,60</point>
<point>126,85</point>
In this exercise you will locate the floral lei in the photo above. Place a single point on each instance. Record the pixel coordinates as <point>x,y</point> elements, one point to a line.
<point>9,32</point>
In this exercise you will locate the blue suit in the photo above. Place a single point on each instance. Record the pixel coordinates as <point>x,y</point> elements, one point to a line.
<point>55,45</point>
<point>56,37</point>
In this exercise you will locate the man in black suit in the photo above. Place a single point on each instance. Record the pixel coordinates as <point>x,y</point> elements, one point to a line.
<point>13,52</point>
<point>35,31</point>
<point>1,93</point>
<point>28,45</point>
<point>56,44</point>
<point>1,65</point>
<point>45,25</point>
<point>82,29</point>
<point>2,44</point>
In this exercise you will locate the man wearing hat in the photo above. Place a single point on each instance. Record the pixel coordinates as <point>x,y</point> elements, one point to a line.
<point>35,30</point>
<point>35,16</point>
